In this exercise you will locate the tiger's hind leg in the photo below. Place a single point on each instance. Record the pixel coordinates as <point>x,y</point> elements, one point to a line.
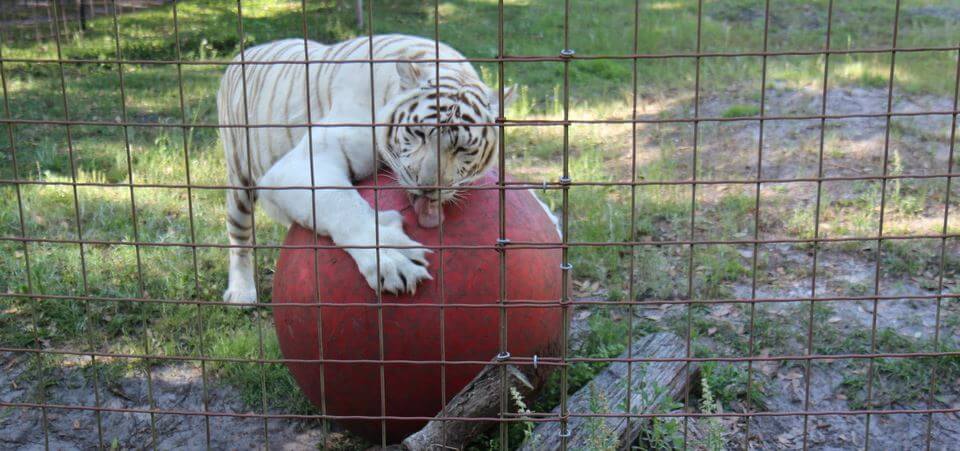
<point>242,287</point>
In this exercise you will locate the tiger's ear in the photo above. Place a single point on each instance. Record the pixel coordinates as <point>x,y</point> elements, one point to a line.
<point>410,74</point>
<point>509,96</point>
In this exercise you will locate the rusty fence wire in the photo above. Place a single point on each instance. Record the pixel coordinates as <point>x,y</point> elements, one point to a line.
<point>56,21</point>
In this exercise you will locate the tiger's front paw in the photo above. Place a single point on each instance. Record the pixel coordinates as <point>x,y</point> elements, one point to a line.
<point>241,288</point>
<point>400,270</point>
<point>240,296</point>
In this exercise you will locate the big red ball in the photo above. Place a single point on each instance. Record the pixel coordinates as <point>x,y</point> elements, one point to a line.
<point>414,334</point>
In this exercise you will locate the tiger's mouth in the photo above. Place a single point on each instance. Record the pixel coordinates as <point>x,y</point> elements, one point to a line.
<point>429,211</point>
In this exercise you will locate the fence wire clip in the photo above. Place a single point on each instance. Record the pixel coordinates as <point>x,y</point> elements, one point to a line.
<point>564,434</point>
<point>535,359</point>
<point>567,53</point>
<point>501,242</point>
<point>503,356</point>
<point>566,266</point>
<point>565,180</point>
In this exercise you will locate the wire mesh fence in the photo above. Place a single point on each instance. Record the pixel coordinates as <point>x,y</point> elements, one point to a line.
<point>125,298</point>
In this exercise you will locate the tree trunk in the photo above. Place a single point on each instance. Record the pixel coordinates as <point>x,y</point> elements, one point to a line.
<point>359,11</point>
<point>82,11</point>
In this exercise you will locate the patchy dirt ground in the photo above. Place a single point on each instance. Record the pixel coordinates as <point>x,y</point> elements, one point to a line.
<point>912,319</point>
<point>919,145</point>
<point>839,432</point>
<point>853,147</point>
<point>176,387</point>
<point>784,385</point>
<point>785,382</point>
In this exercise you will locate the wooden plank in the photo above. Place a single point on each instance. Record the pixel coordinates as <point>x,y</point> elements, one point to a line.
<point>479,399</point>
<point>652,384</point>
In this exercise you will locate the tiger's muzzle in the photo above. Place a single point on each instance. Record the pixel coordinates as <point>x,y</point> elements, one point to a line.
<point>429,210</point>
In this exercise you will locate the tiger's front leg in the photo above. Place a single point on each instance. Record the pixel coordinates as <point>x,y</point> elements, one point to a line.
<point>343,216</point>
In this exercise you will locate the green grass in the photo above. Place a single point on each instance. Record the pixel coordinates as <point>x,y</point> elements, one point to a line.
<point>741,111</point>
<point>767,332</point>
<point>896,380</point>
<point>281,392</point>
<point>598,89</point>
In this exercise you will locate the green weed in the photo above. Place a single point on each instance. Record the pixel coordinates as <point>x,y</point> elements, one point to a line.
<point>895,380</point>
<point>729,383</point>
<point>713,440</point>
<point>741,110</point>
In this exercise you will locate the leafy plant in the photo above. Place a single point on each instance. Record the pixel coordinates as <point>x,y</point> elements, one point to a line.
<point>713,441</point>
<point>524,411</point>
<point>729,383</point>
<point>599,435</point>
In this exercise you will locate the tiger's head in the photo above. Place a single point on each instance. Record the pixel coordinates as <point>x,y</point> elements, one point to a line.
<point>425,156</point>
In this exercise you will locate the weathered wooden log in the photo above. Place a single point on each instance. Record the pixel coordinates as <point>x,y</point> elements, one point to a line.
<point>652,383</point>
<point>478,399</point>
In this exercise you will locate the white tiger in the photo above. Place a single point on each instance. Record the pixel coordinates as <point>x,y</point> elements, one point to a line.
<point>404,92</point>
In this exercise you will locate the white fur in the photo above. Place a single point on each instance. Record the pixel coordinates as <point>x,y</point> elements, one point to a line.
<point>553,217</point>
<point>326,156</point>
<point>342,214</point>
